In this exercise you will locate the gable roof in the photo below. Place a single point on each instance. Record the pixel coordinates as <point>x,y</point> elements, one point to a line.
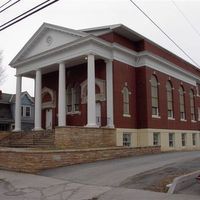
<point>117,28</point>
<point>43,28</point>
<point>5,98</point>
<point>13,97</point>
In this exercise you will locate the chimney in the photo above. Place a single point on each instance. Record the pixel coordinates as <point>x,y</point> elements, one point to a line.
<point>0,94</point>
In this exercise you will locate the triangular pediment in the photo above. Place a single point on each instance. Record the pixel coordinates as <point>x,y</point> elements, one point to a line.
<point>46,38</point>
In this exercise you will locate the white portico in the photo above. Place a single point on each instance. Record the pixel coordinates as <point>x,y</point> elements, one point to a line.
<point>54,48</point>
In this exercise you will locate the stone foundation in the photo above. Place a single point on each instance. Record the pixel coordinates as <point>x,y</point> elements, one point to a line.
<point>83,137</point>
<point>32,161</point>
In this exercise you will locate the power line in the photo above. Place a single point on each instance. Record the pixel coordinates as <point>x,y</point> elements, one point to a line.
<point>10,6</point>
<point>165,33</point>
<point>5,3</point>
<point>186,18</point>
<point>26,14</point>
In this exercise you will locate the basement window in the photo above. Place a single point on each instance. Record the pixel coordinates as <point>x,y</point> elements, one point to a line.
<point>127,139</point>
<point>156,139</point>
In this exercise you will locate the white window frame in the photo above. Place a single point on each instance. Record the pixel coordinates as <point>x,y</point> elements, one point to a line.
<point>73,98</point>
<point>172,141</point>
<point>156,141</point>
<point>126,101</point>
<point>183,139</point>
<point>182,112</point>
<point>170,90</point>
<point>194,139</point>
<point>153,108</point>
<point>23,111</point>
<point>126,139</point>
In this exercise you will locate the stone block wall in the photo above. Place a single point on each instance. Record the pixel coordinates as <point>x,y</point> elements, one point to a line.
<point>82,137</point>
<point>32,161</point>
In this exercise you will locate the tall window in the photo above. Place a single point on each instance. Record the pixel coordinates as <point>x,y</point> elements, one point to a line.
<point>192,112</point>
<point>77,96</point>
<point>154,95</point>
<point>125,93</point>
<point>69,98</point>
<point>73,98</point>
<point>182,103</point>
<point>169,100</point>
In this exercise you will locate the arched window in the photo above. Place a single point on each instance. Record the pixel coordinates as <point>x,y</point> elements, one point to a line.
<point>154,96</point>
<point>182,103</point>
<point>192,109</point>
<point>125,93</point>
<point>169,100</point>
<point>69,98</point>
<point>77,97</point>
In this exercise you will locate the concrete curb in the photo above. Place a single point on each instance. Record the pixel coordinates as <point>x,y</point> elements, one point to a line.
<point>182,182</point>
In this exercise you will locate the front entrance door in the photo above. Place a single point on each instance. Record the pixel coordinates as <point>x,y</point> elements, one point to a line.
<point>48,119</point>
<point>98,114</point>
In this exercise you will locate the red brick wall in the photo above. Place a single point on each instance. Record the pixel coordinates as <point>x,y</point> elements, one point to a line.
<point>141,98</point>
<point>114,37</point>
<point>76,74</point>
<point>50,80</point>
<point>163,122</point>
<point>123,73</point>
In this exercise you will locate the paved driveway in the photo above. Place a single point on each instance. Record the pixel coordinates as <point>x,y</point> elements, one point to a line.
<point>114,172</point>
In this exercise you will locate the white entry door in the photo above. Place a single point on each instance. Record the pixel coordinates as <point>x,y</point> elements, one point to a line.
<point>48,119</point>
<point>98,114</point>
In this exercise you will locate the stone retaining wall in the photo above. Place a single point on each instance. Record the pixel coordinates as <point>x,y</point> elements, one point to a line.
<point>83,137</point>
<point>32,161</point>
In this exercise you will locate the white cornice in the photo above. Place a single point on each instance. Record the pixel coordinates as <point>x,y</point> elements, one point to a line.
<point>105,50</point>
<point>155,62</point>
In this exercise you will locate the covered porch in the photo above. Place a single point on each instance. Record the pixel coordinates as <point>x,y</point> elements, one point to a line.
<point>52,106</point>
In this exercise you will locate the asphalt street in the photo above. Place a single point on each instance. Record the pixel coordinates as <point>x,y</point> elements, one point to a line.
<point>114,172</point>
<point>94,181</point>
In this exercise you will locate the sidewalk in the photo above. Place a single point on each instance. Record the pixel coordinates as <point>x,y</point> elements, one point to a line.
<point>20,186</point>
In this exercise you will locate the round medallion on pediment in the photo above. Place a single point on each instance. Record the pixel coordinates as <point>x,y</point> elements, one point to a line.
<point>49,40</point>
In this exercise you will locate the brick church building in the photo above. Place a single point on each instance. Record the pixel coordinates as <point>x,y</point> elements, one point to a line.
<point>110,78</point>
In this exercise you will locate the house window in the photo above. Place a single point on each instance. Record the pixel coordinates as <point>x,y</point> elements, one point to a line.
<point>154,96</point>
<point>192,109</point>
<point>127,139</point>
<point>25,111</point>
<point>194,138</point>
<point>182,103</point>
<point>198,113</point>
<point>169,100</point>
<point>125,93</point>
<point>156,139</point>
<point>73,98</point>
<point>28,111</point>
<point>183,139</point>
<point>171,139</point>
<point>69,98</point>
<point>77,96</point>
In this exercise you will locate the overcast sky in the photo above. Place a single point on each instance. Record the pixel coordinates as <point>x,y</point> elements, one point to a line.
<point>78,14</point>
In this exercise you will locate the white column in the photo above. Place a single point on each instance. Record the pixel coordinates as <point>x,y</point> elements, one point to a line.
<point>61,96</point>
<point>18,104</point>
<point>91,101</point>
<point>109,93</point>
<point>38,100</point>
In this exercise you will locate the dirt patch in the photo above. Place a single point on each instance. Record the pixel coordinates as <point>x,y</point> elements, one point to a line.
<point>157,179</point>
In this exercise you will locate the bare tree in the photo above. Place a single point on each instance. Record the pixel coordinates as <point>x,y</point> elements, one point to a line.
<point>2,70</point>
